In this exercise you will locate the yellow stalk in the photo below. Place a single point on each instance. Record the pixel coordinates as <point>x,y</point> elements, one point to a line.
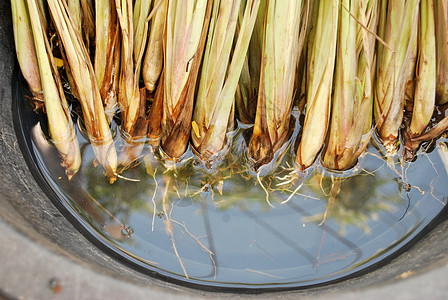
<point>219,80</point>
<point>107,54</point>
<point>352,100</point>
<point>247,91</point>
<point>278,69</point>
<point>59,121</point>
<point>141,12</point>
<point>153,61</point>
<point>441,28</point>
<point>25,50</point>
<point>88,22</point>
<point>128,97</point>
<point>132,100</point>
<point>89,95</point>
<point>129,93</point>
<point>319,82</point>
<point>74,7</point>
<point>425,87</point>
<point>395,66</point>
<point>186,28</point>
<point>246,97</point>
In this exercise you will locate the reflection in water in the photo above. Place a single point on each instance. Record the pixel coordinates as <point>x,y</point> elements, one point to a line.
<point>217,227</point>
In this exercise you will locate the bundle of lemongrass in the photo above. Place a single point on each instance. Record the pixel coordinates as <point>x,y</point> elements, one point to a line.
<point>181,72</point>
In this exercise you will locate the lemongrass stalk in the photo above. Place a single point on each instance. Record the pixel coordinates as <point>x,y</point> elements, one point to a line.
<point>141,12</point>
<point>88,22</point>
<point>128,97</point>
<point>425,87</point>
<point>442,150</point>
<point>395,66</point>
<point>75,12</point>
<point>107,54</point>
<point>103,17</point>
<point>155,114</point>
<point>132,100</point>
<point>256,47</point>
<point>89,95</point>
<point>412,143</point>
<point>247,91</point>
<point>246,96</point>
<point>44,21</point>
<point>81,14</point>
<point>25,50</point>
<point>352,100</point>
<point>300,84</point>
<point>409,93</point>
<point>343,99</point>
<point>278,70</point>
<point>153,61</point>
<point>219,43</point>
<point>322,54</point>
<point>441,28</point>
<point>219,80</point>
<point>74,7</point>
<point>186,29</point>
<point>60,123</point>
<point>366,40</point>
<point>129,93</point>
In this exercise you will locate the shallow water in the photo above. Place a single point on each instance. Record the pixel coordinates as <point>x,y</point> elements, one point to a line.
<point>228,228</point>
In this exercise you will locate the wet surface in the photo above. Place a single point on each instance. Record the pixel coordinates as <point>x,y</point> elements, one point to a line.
<point>230,228</point>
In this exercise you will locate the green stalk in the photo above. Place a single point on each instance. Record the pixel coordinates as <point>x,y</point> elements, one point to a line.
<point>107,54</point>
<point>219,80</point>
<point>153,61</point>
<point>278,69</point>
<point>322,54</point>
<point>395,66</point>
<point>89,95</point>
<point>425,87</point>
<point>186,30</point>
<point>25,50</point>
<point>59,121</point>
<point>441,28</point>
<point>352,100</point>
